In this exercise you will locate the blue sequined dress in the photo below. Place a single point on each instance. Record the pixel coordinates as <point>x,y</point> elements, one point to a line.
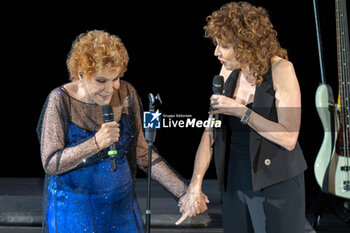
<point>81,193</point>
<point>92,198</point>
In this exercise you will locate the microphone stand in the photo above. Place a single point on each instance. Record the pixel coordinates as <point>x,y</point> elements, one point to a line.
<point>150,135</point>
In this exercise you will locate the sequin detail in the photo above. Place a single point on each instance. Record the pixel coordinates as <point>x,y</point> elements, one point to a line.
<point>92,198</point>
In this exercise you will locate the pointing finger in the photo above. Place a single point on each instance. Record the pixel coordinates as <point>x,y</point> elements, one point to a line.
<point>183,217</point>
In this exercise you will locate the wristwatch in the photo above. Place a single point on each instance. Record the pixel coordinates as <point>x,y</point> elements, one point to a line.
<point>246,116</point>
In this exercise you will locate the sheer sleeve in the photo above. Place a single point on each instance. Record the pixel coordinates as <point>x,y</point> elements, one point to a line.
<point>52,129</point>
<point>161,171</point>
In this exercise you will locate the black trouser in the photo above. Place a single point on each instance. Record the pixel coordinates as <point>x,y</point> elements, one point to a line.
<point>275,209</point>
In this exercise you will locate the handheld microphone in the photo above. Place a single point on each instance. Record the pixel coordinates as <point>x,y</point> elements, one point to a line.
<point>218,87</point>
<point>218,84</point>
<point>108,116</point>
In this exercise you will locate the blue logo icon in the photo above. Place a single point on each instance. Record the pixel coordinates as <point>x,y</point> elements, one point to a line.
<point>151,119</point>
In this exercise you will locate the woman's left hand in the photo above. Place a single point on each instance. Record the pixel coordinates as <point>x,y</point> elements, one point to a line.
<point>221,104</point>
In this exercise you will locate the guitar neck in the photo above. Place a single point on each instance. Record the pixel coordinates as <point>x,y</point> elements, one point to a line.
<point>343,53</point>
<point>343,61</point>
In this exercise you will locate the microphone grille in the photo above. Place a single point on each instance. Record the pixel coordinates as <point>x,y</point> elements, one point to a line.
<point>107,113</point>
<point>218,84</point>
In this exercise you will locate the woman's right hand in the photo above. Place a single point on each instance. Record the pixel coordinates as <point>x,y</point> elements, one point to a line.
<point>108,134</point>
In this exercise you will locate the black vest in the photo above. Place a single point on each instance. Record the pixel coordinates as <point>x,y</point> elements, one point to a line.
<point>270,162</point>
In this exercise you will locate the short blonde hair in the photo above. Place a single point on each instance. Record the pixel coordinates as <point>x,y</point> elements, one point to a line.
<point>96,50</point>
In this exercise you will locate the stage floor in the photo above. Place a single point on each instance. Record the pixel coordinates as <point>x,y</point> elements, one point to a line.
<point>20,209</point>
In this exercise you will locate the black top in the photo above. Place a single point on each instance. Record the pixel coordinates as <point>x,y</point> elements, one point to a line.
<point>240,137</point>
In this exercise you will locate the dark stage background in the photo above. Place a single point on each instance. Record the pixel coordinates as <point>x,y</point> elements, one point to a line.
<point>168,54</point>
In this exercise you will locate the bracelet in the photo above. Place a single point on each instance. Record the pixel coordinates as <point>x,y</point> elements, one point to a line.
<point>182,195</point>
<point>179,203</point>
<point>246,116</point>
<point>96,143</point>
<point>177,199</point>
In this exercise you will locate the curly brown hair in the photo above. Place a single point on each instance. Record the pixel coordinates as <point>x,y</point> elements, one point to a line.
<point>249,30</point>
<point>96,50</point>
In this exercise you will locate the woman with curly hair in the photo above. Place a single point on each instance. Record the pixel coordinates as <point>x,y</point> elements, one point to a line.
<point>258,160</point>
<point>82,192</point>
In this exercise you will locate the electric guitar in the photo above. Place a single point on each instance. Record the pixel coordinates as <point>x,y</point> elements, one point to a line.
<point>332,164</point>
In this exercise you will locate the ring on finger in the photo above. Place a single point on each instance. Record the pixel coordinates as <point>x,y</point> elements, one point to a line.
<point>214,102</point>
